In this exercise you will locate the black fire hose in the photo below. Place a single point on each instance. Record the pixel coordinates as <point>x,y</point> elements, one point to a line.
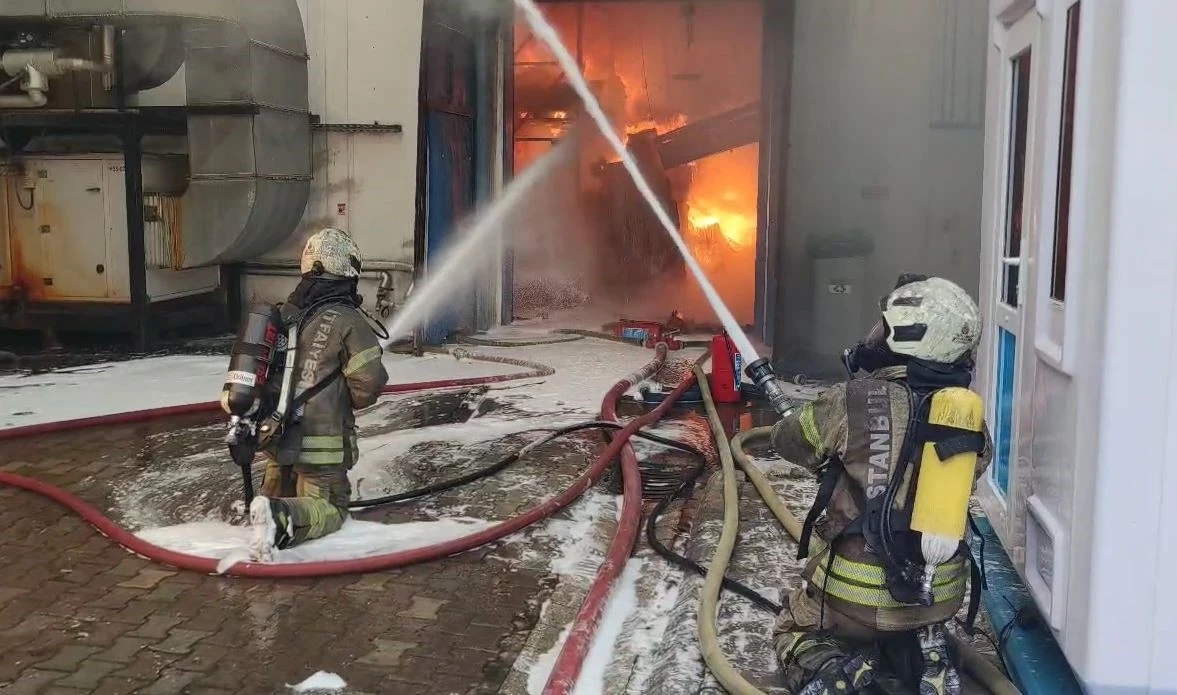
<point>683,562</point>
<point>243,457</point>
<point>504,463</point>
<point>684,485</point>
<point>473,476</point>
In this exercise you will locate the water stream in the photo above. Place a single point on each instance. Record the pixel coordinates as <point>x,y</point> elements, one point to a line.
<point>459,263</point>
<point>547,34</point>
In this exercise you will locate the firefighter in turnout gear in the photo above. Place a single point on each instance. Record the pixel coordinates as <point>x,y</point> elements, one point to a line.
<point>305,490</point>
<point>897,452</point>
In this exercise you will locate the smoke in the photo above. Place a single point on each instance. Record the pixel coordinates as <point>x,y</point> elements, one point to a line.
<point>468,255</point>
<point>484,11</point>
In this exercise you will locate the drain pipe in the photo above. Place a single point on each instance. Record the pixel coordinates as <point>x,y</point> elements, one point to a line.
<point>38,65</point>
<point>108,56</point>
<point>35,87</point>
<point>106,66</point>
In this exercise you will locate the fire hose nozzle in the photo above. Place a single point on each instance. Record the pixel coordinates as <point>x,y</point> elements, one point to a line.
<point>761,373</point>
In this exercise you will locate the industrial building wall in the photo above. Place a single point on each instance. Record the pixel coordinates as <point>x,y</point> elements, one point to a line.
<point>886,144</point>
<point>365,58</point>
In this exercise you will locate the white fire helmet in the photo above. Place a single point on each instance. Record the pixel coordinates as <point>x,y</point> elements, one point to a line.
<point>335,251</point>
<point>933,320</point>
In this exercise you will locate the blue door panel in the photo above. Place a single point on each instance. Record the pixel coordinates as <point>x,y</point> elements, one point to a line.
<point>1004,408</point>
<point>450,198</point>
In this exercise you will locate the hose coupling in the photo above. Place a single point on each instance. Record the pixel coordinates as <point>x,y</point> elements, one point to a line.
<point>761,373</point>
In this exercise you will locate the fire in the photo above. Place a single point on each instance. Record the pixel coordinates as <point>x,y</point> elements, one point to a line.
<point>735,227</point>
<point>723,194</point>
<point>655,66</point>
<point>662,126</point>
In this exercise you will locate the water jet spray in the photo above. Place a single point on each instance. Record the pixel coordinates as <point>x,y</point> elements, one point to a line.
<point>759,368</point>
<point>454,268</point>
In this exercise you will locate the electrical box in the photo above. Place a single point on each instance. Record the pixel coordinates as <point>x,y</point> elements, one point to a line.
<point>66,230</point>
<point>840,304</point>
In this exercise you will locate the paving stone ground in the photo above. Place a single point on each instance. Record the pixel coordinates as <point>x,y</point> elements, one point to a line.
<point>80,615</point>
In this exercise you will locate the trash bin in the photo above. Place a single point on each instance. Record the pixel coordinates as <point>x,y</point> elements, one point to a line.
<point>839,282</point>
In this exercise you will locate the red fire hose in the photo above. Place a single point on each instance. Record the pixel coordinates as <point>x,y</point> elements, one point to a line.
<point>568,664</point>
<point>131,417</point>
<point>378,562</point>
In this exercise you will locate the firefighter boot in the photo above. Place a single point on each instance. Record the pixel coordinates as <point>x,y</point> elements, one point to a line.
<point>815,662</point>
<point>271,528</point>
<point>940,677</point>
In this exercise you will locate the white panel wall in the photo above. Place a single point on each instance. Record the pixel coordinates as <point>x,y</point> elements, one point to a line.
<point>1095,449</point>
<point>364,67</point>
<point>1132,525</point>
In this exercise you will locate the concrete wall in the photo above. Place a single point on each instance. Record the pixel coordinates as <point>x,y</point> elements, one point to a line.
<point>885,136</point>
<point>365,58</point>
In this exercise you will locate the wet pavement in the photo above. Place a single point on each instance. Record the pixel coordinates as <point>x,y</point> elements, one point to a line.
<point>80,615</point>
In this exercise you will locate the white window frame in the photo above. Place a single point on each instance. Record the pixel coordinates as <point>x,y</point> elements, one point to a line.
<point>1056,322</point>
<point>1016,27</point>
<point>1013,40</point>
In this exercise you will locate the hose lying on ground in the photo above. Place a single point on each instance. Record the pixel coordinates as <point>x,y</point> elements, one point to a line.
<point>682,486</point>
<point>509,460</point>
<point>374,563</point>
<point>709,645</point>
<point>681,561</point>
<point>576,646</point>
<point>534,370</point>
<point>976,665</point>
<point>553,339</point>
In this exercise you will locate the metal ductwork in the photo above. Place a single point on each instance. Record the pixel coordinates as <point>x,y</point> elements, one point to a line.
<point>249,132</point>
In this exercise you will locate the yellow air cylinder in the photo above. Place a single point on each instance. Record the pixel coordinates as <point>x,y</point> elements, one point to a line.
<point>941,506</point>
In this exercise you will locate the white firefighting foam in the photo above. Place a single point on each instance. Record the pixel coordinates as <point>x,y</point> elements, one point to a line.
<point>357,539</point>
<point>161,382</point>
<point>320,682</point>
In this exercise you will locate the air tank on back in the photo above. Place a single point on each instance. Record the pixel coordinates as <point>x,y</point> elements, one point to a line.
<point>251,360</point>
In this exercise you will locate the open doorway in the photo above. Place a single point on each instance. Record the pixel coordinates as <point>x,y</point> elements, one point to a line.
<point>681,81</point>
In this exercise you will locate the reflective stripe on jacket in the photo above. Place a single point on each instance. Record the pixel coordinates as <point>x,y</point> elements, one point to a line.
<point>863,423</point>
<point>322,432</point>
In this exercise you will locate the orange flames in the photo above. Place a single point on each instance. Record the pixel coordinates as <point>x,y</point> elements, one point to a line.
<point>653,67</point>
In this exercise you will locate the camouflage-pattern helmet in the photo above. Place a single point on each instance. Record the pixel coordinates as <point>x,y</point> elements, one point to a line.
<point>933,319</point>
<point>334,251</point>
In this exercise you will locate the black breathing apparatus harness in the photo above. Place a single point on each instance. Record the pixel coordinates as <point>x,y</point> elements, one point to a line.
<point>285,406</point>
<point>886,528</point>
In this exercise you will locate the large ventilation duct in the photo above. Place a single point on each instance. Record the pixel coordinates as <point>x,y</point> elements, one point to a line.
<point>249,132</point>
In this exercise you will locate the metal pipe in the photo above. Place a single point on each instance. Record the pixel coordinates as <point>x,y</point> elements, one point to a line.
<point>80,65</point>
<point>39,65</point>
<point>34,86</point>
<point>106,66</point>
<point>370,267</point>
<point>53,64</point>
<point>287,271</point>
<point>108,56</point>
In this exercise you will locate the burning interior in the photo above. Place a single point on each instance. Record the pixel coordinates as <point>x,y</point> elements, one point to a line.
<point>682,83</point>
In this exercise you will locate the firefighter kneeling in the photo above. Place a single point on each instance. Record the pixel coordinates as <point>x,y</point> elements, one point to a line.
<point>310,440</point>
<point>897,452</point>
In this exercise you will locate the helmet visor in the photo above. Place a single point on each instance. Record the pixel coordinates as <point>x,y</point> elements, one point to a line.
<point>877,335</point>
